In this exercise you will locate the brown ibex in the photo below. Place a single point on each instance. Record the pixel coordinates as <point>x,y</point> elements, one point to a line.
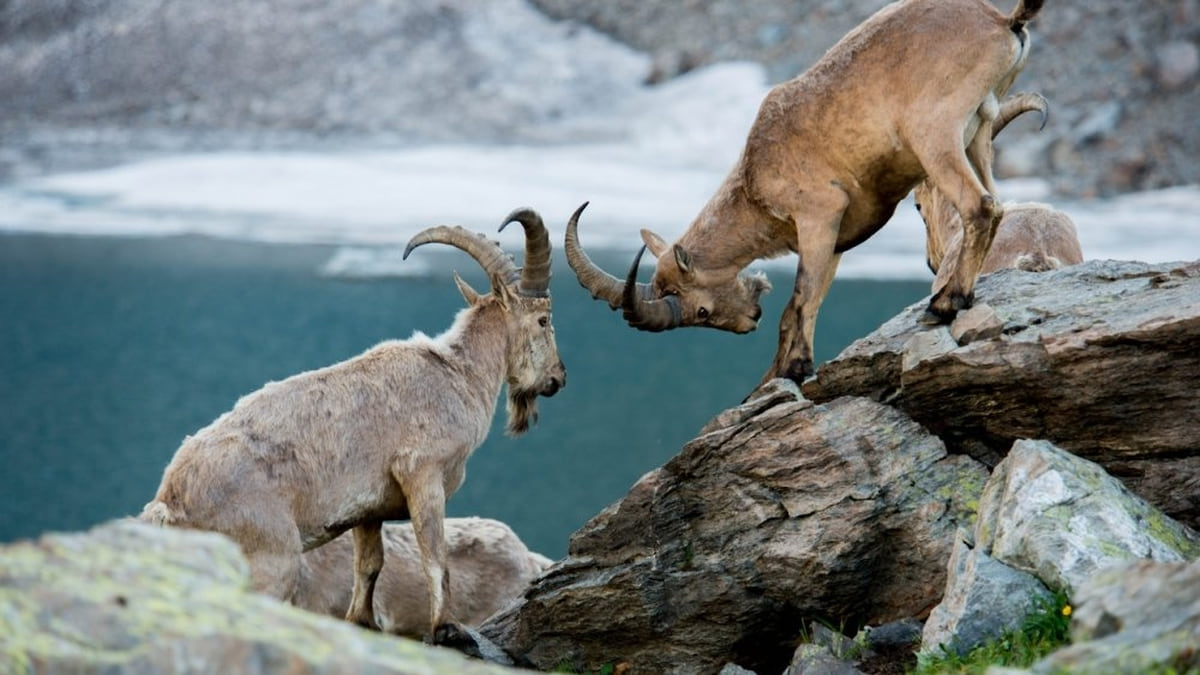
<point>909,94</point>
<point>1032,237</point>
<point>382,436</point>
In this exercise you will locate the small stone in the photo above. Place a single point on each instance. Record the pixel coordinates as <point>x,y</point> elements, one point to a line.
<point>977,323</point>
<point>1178,62</point>
<point>812,659</point>
<point>1100,122</point>
<point>895,634</point>
<point>927,345</point>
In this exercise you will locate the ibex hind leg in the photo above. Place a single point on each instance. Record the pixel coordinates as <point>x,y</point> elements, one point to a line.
<point>368,562</point>
<point>426,498</point>
<point>956,177</point>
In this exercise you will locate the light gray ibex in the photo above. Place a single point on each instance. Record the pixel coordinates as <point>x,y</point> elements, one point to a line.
<point>909,94</point>
<point>382,436</point>
<point>1031,236</point>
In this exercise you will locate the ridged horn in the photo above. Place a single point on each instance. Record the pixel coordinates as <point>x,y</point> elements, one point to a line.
<point>535,274</point>
<point>1017,104</point>
<point>494,261</point>
<point>642,310</point>
<point>601,284</point>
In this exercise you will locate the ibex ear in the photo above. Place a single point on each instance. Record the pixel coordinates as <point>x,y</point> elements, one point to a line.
<point>655,243</point>
<point>503,292</point>
<point>469,294</point>
<point>683,259</point>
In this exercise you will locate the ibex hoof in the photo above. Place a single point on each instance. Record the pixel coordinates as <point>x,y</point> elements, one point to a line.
<point>368,623</point>
<point>452,635</point>
<point>798,370</point>
<point>943,309</point>
<point>931,318</point>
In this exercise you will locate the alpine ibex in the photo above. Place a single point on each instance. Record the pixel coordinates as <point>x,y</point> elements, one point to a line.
<point>1031,236</point>
<point>909,94</point>
<point>382,436</point>
<point>488,564</point>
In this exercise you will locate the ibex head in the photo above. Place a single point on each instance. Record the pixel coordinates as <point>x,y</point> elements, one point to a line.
<point>683,292</point>
<point>533,365</point>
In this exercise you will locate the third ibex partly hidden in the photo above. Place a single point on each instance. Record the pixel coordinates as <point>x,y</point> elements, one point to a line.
<point>1031,236</point>
<point>908,95</point>
<point>489,567</point>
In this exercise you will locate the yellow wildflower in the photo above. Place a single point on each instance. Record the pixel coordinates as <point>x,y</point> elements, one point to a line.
<point>1066,610</point>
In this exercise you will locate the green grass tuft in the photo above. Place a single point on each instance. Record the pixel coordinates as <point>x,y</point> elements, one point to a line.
<point>1044,630</point>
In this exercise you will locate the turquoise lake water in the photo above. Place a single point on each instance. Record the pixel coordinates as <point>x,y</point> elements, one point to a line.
<point>113,349</point>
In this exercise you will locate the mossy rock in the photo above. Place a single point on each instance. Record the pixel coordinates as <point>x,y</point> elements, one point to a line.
<point>127,597</point>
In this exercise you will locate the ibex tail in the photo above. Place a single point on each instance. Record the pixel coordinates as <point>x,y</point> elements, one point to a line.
<point>1024,13</point>
<point>157,513</point>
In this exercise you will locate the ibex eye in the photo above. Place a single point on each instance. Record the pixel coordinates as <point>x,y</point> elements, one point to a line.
<point>702,312</point>
<point>543,321</point>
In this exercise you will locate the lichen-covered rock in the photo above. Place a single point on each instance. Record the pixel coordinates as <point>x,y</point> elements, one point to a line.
<point>1135,618</point>
<point>783,511</point>
<point>1062,518</point>
<point>127,598</point>
<point>1100,358</point>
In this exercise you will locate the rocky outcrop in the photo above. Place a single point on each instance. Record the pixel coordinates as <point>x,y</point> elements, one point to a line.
<point>781,510</point>
<point>130,598</point>
<point>1100,358</point>
<point>846,507</point>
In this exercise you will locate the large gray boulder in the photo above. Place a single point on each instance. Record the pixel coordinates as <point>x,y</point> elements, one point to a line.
<point>128,598</point>
<point>1099,358</point>
<point>1062,519</point>
<point>783,510</point>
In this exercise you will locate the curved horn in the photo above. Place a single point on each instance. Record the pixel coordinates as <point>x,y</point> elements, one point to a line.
<point>535,275</point>
<point>488,254</point>
<point>601,284</point>
<point>1015,105</point>
<point>642,310</point>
